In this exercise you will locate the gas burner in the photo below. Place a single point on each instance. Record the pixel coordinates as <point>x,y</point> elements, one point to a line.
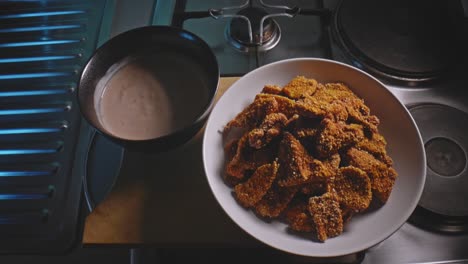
<point>443,205</point>
<point>239,37</point>
<point>252,28</point>
<point>408,41</point>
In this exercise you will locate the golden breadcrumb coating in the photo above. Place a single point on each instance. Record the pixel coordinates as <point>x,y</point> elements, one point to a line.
<point>295,162</point>
<point>300,87</point>
<point>271,127</point>
<point>256,111</point>
<point>251,191</point>
<point>382,177</point>
<point>310,154</point>
<point>299,218</point>
<point>375,145</point>
<point>353,189</point>
<point>238,164</point>
<point>337,135</point>
<point>275,201</point>
<point>326,216</point>
<point>272,89</point>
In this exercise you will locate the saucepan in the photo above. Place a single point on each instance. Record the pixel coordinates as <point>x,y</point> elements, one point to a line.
<point>150,88</point>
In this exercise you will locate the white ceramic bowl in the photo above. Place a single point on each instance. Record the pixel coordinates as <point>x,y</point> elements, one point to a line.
<point>397,126</point>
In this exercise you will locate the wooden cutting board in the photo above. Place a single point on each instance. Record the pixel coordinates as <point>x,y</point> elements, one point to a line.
<point>164,199</point>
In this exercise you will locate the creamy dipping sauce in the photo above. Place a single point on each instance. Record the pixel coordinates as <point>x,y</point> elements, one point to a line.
<point>148,97</point>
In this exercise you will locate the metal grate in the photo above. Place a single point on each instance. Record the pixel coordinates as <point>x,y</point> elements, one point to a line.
<point>43,46</point>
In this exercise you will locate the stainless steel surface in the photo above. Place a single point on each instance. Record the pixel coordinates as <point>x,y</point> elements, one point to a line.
<point>231,61</point>
<point>302,36</point>
<point>270,43</point>
<point>234,62</point>
<point>413,245</point>
<point>221,13</point>
<point>129,15</point>
<point>443,130</point>
<point>258,37</point>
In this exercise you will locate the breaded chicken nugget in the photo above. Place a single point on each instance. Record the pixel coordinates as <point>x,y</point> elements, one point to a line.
<point>337,135</point>
<point>300,87</point>
<point>290,107</point>
<point>326,215</point>
<point>251,191</point>
<point>271,127</point>
<point>253,114</point>
<point>298,217</point>
<point>376,146</point>
<point>275,201</point>
<point>238,165</point>
<point>382,177</point>
<point>272,89</point>
<point>359,113</point>
<point>353,189</point>
<point>294,160</point>
<point>248,159</point>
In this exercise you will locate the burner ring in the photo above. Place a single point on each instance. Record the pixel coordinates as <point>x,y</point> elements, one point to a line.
<point>237,31</point>
<point>436,222</point>
<point>403,52</point>
<point>443,206</point>
<point>445,157</point>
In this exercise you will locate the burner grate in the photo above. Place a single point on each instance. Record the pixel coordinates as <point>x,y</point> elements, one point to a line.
<point>261,30</point>
<point>253,28</point>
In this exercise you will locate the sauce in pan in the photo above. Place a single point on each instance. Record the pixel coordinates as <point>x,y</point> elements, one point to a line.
<point>142,98</point>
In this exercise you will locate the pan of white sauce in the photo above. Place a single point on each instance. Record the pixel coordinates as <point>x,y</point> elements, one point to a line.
<point>150,88</point>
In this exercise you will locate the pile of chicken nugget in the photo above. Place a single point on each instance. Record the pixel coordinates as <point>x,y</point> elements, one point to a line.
<point>309,154</point>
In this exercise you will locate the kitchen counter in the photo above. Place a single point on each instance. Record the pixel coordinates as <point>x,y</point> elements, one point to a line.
<point>168,206</point>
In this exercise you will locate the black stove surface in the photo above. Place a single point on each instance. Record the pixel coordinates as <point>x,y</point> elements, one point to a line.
<point>413,30</point>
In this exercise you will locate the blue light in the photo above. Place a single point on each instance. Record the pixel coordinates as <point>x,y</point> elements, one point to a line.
<point>10,219</point>
<point>37,43</point>
<point>32,196</point>
<point>357,64</point>
<point>32,93</point>
<point>40,14</point>
<point>15,131</point>
<point>39,28</point>
<point>23,173</point>
<point>31,111</point>
<point>26,151</point>
<point>187,36</point>
<point>32,75</point>
<point>31,59</point>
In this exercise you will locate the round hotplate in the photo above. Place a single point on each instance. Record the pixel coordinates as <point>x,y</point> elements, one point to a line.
<point>403,39</point>
<point>444,132</point>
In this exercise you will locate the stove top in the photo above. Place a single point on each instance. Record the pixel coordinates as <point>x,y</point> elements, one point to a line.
<point>223,25</point>
<point>414,48</point>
